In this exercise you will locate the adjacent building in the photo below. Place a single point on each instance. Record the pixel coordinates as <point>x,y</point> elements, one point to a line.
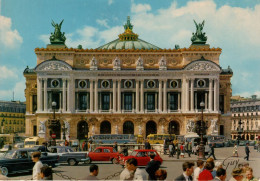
<point>245,116</point>
<point>127,86</point>
<point>12,117</point>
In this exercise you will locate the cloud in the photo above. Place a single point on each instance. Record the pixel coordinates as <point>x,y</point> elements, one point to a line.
<point>102,22</point>
<point>140,8</point>
<point>9,38</point>
<point>110,2</point>
<point>7,73</point>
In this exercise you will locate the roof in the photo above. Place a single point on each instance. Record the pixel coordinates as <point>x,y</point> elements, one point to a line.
<point>128,40</point>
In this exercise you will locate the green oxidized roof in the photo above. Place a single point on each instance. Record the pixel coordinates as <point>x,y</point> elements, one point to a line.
<point>128,40</point>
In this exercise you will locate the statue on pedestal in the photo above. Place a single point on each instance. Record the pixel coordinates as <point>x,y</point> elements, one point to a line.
<point>140,129</point>
<point>116,130</point>
<point>57,37</point>
<point>199,37</point>
<point>93,129</point>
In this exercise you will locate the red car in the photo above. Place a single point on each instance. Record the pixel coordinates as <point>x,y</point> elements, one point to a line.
<point>103,154</point>
<point>142,156</point>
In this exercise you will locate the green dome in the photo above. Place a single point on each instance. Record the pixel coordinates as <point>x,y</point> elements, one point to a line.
<point>137,44</point>
<point>128,40</point>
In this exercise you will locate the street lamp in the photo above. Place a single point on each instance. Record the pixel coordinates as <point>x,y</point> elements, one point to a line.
<point>239,130</point>
<point>54,104</point>
<point>64,129</point>
<point>53,123</point>
<point>201,131</point>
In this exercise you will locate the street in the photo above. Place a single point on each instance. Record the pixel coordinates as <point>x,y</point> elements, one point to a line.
<point>171,165</point>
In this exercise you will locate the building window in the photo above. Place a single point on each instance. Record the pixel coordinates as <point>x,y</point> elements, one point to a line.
<point>83,101</point>
<point>128,101</point>
<point>105,101</point>
<point>150,101</point>
<point>34,103</point>
<point>173,102</point>
<point>221,103</point>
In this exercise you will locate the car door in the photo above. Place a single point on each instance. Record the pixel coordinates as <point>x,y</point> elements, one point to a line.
<point>142,158</point>
<point>97,155</point>
<point>23,159</point>
<point>106,154</point>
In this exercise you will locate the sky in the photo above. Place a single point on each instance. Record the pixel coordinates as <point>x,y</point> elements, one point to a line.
<point>232,25</point>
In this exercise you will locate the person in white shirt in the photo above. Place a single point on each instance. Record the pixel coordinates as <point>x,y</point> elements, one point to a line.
<point>131,172</point>
<point>38,165</point>
<point>198,170</point>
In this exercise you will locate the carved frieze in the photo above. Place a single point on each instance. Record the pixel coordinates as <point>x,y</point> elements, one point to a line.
<point>202,66</point>
<point>53,65</point>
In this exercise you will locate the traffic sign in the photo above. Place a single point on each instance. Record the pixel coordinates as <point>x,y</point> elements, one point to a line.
<point>53,135</point>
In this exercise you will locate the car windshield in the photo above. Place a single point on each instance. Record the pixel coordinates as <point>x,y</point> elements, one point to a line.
<point>134,153</point>
<point>30,143</point>
<point>9,154</point>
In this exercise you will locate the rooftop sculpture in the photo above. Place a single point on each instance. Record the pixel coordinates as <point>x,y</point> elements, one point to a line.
<point>57,37</point>
<point>199,37</point>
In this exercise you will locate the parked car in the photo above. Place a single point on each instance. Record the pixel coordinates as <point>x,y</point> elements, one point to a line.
<point>6,148</point>
<point>18,161</point>
<point>242,143</point>
<point>142,156</point>
<point>19,145</point>
<point>103,154</point>
<point>67,154</point>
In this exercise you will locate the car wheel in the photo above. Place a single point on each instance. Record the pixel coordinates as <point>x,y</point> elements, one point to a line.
<point>88,161</point>
<point>114,161</point>
<point>4,171</point>
<point>72,162</point>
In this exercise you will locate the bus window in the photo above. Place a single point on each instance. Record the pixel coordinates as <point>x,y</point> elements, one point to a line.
<point>125,136</point>
<point>132,136</point>
<point>155,137</point>
<point>160,137</point>
<point>120,137</point>
<point>113,137</point>
<point>107,137</point>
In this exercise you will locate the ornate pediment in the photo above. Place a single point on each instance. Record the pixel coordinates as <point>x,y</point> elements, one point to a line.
<point>202,66</point>
<point>53,66</point>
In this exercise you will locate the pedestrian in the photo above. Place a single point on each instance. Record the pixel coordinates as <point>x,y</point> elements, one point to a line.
<point>217,166</point>
<point>90,146</point>
<point>237,175</point>
<point>66,143</point>
<point>93,169</point>
<point>115,147</point>
<point>198,170</point>
<point>43,147</point>
<point>212,151</point>
<point>37,166</point>
<point>221,175</point>
<point>249,175</point>
<point>178,150</point>
<point>235,153</point>
<point>187,172</point>
<point>247,152</point>
<point>147,145</point>
<point>189,148</point>
<point>83,145</point>
<point>152,167</point>
<point>171,146</point>
<point>161,174</point>
<point>131,172</point>
<point>206,173</point>
<point>46,173</point>
<point>165,146</point>
<point>182,148</point>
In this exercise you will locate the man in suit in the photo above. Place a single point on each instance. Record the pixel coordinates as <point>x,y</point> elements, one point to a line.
<point>221,175</point>
<point>187,172</point>
<point>147,145</point>
<point>212,153</point>
<point>247,152</point>
<point>152,167</point>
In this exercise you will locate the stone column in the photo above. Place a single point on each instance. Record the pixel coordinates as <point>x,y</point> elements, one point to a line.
<point>91,96</point>
<point>45,94</point>
<point>96,95</point>
<point>165,95</point>
<point>39,94</point>
<point>206,100</point>
<point>69,98</point>
<point>187,94</point>
<point>119,95</point>
<point>63,95</point>
<point>179,101</point>
<point>182,94</point>
<point>31,104</point>
<point>160,95</point>
<point>71,94</point>
<point>215,95</point>
<point>210,95</point>
<point>142,96</point>
<point>137,95</point>
<point>192,95</point>
<point>114,95</point>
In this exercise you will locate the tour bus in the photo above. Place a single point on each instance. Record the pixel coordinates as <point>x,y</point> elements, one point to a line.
<point>111,138</point>
<point>159,138</point>
<point>33,141</point>
<point>218,140</point>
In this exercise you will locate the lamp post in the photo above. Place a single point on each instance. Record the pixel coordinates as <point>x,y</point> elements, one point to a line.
<point>239,131</point>
<point>201,131</point>
<point>52,124</point>
<point>64,129</point>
